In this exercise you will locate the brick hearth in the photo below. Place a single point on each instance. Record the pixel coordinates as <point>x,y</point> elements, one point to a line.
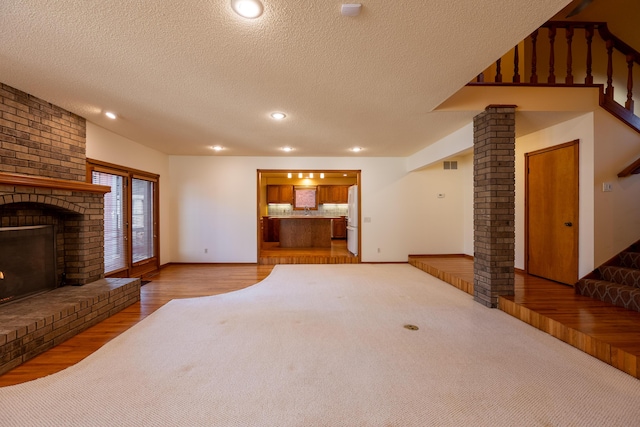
<point>31,326</point>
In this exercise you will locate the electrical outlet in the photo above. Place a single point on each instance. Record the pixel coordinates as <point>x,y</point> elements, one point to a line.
<point>607,186</point>
<point>206,251</point>
<point>379,250</point>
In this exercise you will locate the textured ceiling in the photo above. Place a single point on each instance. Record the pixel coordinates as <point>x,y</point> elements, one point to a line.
<point>184,76</point>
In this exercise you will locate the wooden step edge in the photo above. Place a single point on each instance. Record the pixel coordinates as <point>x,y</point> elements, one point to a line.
<point>614,356</point>
<point>463,285</point>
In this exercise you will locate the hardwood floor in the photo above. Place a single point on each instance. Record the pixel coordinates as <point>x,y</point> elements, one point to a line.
<point>174,281</point>
<point>271,253</point>
<point>607,332</point>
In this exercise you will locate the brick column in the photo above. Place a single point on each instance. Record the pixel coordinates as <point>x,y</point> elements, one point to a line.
<point>494,203</point>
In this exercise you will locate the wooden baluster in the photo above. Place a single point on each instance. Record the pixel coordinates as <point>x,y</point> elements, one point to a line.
<point>480,78</point>
<point>534,58</point>
<point>552,40</point>
<point>498,71</point>
<point>516,65</point>
<point>609,90</point>
<point>588,33</point>
<point>569,79</point>
<point>629,104</point>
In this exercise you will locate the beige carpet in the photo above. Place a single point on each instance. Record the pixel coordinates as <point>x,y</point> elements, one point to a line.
<point>322,345</point>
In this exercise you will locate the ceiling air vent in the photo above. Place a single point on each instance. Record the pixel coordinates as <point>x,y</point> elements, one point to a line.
<point>451,165</point>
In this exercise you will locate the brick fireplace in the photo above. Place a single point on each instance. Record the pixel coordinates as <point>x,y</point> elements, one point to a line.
<point>76,214</point>
<point>42,182</point>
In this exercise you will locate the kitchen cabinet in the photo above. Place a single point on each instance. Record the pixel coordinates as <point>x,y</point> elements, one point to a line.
<point>280,194</point>
<point>339,228</point>
<point>333,194</point>
<point>270,229</point>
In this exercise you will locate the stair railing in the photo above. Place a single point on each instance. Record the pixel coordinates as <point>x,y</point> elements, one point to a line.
<point>598,59</point>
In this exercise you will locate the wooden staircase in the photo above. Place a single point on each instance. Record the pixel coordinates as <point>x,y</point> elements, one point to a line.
<point>617,281</point>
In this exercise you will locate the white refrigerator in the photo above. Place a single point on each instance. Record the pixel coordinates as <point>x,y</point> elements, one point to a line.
<point>352,220</point>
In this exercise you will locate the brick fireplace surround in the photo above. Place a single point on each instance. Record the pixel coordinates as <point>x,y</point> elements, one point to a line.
<point>42,182</point>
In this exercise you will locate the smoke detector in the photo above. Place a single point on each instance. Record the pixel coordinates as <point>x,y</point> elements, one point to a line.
<point>351,9</point>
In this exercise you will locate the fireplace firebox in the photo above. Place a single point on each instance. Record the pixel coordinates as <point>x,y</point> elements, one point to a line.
<point>27,261</point>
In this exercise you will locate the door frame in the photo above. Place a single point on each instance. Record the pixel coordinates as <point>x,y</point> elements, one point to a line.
<point>575,142</point>
<point>259,199</point>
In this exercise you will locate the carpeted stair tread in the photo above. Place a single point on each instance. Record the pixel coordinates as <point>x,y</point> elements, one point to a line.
<point>629,259</point>
<point>621,275</point>
<point>613,293</point>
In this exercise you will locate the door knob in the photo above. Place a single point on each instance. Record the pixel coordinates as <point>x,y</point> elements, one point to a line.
<point>568,224</point>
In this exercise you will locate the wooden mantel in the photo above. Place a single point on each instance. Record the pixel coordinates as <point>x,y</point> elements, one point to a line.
<point>56,184</point>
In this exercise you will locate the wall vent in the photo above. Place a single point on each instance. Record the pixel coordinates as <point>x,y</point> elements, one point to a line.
<point>451,165</point>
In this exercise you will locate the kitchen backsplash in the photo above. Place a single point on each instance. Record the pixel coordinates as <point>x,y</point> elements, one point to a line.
<point>326,209</point>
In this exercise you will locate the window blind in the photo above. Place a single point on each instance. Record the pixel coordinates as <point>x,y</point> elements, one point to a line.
<point>115,255</point>
<point>141,219</point>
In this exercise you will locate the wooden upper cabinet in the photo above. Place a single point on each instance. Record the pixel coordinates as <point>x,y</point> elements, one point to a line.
<point>341,193</point>
<point>280,194</point>
<point>323,193</point>
<point>333,194</point>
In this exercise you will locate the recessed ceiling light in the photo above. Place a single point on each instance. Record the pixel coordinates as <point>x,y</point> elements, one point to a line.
<point>278,116</point>
<point>217,148</point>
<point>110,115</point>
<point>287,149</point>
<point>356,149</point>
<point>247,8</point>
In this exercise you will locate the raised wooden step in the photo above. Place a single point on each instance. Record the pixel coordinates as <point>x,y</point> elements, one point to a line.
<point>609,333</point>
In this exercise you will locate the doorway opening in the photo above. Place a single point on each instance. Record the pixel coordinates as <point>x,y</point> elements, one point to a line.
<point>303,216</point>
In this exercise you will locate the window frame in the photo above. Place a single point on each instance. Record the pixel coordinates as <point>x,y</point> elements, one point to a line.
<point>148,265</point>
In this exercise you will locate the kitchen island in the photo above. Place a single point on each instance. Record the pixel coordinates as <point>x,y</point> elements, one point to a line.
<point>305,232</point>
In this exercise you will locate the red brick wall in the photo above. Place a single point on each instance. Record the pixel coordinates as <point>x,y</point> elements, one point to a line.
<point>39,138</point>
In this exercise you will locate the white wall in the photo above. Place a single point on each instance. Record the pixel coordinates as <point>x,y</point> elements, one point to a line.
<point>468,205</point>
<point>112,148</point>
<point>211,202</point>
<point>581,128</point>
<point>214,206</point>
<point>617,213</point>
<point>454,144</point>
<point>440,225</point>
